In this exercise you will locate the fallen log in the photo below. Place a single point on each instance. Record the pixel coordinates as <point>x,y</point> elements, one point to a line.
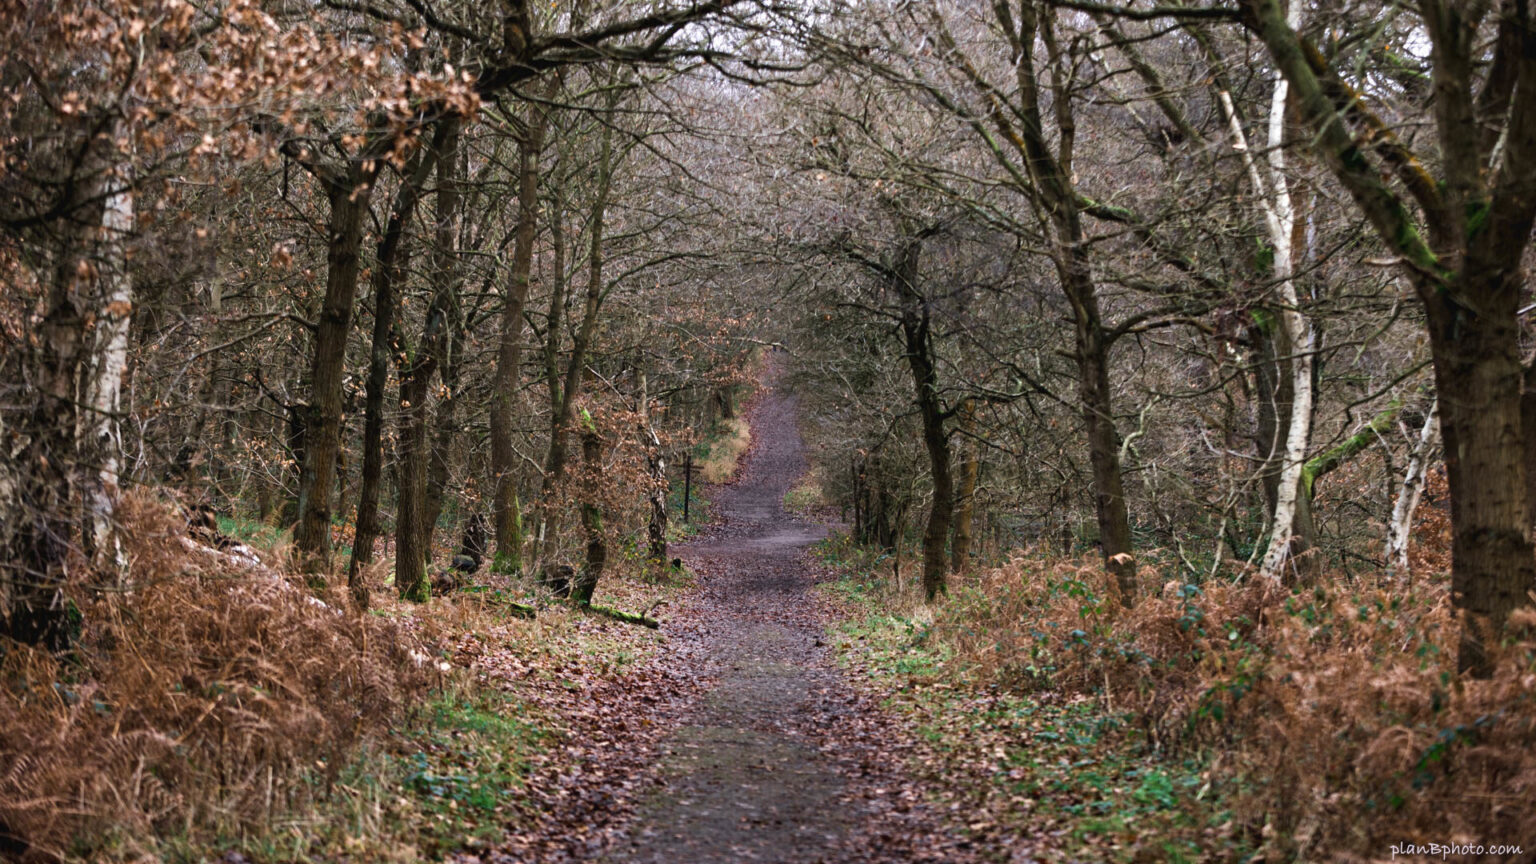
<point>518,610</point>
<point>494,597</point>
<point>625,617</point>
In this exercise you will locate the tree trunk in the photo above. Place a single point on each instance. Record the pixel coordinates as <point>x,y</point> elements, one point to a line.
<point>547,519</point>
<point>1478,378</point>
<point>1528,434</point>
<point>507,513</point>
<point>564,395</point>
<point>965,494</point>
<point>445,426</point>
<point>1049,165</point>
<point>473,543</point>
<point>393,257</point>
<point>323,421</point>
<point>1478,219</point>
<point>725,402</point>
<point>884,511</point>
<point>856,492</point>
<point>49,482</point>
<point>410,461</point>
<point>38,611</point>
<point>916,329</point>
<point>1272,406</point>
<point>1291,526</point>
<point>1400,527</point>
<point>1098,416</point>
<point>412,549</point>
<point>99,437</point>
<point>656,463</point>
<point>1292,503</point>
<point>295,433</point>
<point>591,514</point>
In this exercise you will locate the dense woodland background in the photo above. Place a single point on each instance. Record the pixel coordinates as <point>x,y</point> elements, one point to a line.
<point>1228,301</point>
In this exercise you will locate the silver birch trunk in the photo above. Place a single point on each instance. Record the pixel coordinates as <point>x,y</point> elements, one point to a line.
<point>1401,524</point>
<point>99,432</point>
<point>1274,199</point>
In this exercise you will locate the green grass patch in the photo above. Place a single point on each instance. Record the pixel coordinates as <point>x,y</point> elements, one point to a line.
<point>472,760</point>
<point>252,532</point>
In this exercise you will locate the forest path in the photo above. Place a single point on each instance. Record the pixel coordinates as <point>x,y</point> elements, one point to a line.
<point>779,760</point>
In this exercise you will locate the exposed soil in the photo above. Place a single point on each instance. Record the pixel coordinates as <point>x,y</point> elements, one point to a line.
<point>764,753</point>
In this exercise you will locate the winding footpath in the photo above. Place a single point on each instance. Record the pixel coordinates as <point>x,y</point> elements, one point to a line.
<point>767,753</point>
<point>743,776</point>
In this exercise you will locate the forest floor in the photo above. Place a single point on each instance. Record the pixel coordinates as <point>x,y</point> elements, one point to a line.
<point>744,739</point>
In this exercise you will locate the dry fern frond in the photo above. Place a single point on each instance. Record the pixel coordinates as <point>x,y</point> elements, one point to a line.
<point>1333,706</point>
<point>207,670</point>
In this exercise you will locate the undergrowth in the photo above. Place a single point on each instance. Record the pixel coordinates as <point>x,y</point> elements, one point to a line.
<point>721,450</point>
<point>700,512</point>
<point>1208,722</point>
<point>807,497</point>
<point>211,706</point>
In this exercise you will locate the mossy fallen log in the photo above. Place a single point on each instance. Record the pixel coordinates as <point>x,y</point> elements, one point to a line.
<point>497,599</point>
<point>619,615</point>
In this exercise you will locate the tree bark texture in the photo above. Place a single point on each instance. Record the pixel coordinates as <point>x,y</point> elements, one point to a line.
<point>1098,416</point>
<point>412,454</point>
<point>1400,526</point>
<point>563,395</point>
<point>52,486</point>
<point>1045,178</point>
<point>656,465</point>
<point>965,492</point>
<point>591,515</point>
<point>1466,271</point>
<point>99,438</point>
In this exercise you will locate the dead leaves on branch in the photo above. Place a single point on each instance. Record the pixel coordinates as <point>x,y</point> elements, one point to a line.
<point>188,82</point>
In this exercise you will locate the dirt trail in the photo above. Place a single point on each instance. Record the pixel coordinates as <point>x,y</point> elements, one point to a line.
<point>774,762</point>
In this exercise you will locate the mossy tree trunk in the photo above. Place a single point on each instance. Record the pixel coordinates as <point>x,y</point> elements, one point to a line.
<point>566,387</point>
<point>507,510</point>
<point>1460,238</point>
<point>591,515</point>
